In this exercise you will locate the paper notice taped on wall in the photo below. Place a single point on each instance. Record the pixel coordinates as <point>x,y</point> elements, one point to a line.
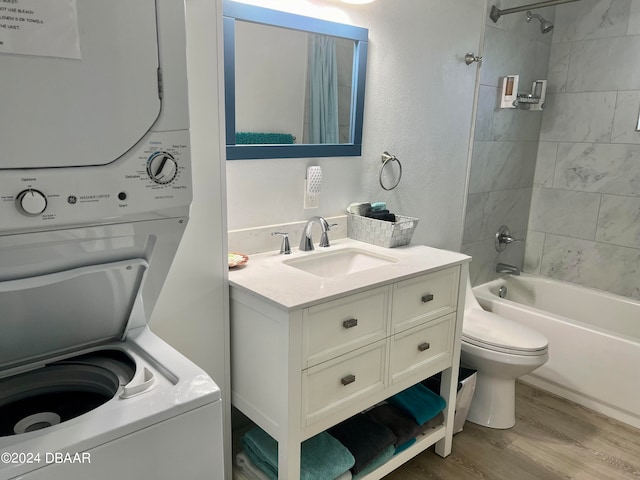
<point>47,28</point>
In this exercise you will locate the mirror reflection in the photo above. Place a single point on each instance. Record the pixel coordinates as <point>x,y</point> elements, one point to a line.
<point>292,86</point>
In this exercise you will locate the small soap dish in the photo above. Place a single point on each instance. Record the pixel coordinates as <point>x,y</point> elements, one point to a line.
<point>237,259</point>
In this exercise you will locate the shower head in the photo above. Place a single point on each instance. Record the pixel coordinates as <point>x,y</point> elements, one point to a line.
<point>545,25</point>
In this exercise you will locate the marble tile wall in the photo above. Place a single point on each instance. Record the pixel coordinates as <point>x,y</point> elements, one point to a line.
<point>584,223</point>
<point>505,141</point>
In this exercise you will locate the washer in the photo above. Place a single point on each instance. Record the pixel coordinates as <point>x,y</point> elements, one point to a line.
<point>95,189</point>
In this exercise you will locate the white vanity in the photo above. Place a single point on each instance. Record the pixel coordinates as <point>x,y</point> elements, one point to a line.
<point>319,336</point>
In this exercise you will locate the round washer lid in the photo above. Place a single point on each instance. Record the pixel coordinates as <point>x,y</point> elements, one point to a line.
<point>488,330</point>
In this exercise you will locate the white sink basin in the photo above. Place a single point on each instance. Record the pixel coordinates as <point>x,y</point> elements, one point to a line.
<point>339,262</point>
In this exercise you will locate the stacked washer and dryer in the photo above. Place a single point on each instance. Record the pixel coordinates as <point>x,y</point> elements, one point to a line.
<point>95,188</point>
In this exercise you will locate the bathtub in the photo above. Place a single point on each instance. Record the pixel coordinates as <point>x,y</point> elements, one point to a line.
<point>594,340</point>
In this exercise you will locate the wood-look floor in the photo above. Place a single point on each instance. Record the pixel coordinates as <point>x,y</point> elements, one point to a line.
<point>553,439</point>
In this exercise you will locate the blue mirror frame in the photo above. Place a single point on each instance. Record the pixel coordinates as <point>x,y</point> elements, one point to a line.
<point>233,11</point>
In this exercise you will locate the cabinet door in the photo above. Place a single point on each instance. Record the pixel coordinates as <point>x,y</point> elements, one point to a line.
<point>422,350</point>
<point>421,299</point>
<point>340,326</point>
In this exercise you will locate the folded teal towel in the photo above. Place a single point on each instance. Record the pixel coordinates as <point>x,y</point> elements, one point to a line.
<point>322,457</point>
<point>256,138</point>
<point>377,206</point>
<point>403,446</point>
<point>262,450</point>
<point>419,402</point>
<point>377,462</point>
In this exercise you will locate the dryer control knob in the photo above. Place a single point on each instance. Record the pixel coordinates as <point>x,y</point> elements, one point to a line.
<point>31,202</point>
<point>162,167</point>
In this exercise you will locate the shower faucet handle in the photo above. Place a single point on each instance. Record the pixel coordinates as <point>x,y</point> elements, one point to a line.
<point>469,58</point>
<point>504,238</point>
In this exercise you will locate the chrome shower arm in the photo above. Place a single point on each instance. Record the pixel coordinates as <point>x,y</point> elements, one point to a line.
<point>496,13</point>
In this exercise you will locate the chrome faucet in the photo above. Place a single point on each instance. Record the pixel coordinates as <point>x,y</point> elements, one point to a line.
<point>306,243</point>
<point>506,268</point>
<point>504,238</point>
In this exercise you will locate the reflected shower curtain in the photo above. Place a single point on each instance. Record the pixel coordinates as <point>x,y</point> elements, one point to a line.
<point>323,90</point>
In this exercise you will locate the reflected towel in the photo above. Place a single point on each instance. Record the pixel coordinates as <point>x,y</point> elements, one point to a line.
<point>257,138</point>
<point>365,439</point>
<point>419,402</point>
<point>322,456</point>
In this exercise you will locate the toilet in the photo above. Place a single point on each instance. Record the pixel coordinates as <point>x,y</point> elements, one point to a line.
<point>501,350</point>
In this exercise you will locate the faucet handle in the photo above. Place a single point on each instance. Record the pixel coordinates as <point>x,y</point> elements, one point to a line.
<point>324,238</point>
<point>285,248</point>
<point>504,238</point>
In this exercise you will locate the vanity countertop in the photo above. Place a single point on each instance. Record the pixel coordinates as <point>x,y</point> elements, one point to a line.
<point>268,276</point>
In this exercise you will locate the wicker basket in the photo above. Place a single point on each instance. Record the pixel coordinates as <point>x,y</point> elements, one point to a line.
<point>379,232</point>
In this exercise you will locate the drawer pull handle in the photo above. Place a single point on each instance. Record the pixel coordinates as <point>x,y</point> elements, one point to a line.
<point>424,346</point>
<point>348,379</point>
<point>352,322</point>
<point>427,298</point>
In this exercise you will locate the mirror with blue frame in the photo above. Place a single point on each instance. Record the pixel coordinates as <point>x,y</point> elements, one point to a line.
<point>294,85</point>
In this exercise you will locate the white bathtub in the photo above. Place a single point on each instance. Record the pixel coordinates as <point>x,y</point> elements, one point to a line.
<point>594,340</point>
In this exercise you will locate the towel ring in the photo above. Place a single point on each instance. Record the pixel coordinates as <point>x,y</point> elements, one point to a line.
<point>386,158</point>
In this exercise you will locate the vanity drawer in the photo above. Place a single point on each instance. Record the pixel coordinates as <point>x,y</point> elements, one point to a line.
<point>335,384</point>
<point>340,326</point>
<point>420,299</point>
<point>414,350</point>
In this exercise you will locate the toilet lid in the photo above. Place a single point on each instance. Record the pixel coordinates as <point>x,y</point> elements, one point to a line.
<point>488,330</point>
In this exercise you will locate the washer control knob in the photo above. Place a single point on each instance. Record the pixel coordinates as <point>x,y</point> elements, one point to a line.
<point>31,202</point>
<point>162,167</point>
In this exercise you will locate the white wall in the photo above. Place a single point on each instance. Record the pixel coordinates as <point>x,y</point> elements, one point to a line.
<point>419,103</point>
<point>192,312</point>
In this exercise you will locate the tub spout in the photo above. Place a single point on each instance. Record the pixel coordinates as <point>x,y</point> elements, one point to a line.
<point>505,268</point>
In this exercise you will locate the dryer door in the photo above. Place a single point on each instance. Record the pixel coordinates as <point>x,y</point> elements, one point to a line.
<point>59,112</point>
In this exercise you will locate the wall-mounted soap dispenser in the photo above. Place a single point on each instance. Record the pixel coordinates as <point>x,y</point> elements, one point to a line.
<point>509,97</point>
<point>509,91</point>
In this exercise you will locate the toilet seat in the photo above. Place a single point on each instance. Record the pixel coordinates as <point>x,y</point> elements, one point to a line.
<point>492,332</point>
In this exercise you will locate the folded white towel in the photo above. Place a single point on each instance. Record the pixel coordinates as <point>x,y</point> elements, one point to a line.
<point>248,468</point>
<point>358,208</point>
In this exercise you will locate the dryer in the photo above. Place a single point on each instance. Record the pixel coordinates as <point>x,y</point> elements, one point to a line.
<point>95,189</point>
